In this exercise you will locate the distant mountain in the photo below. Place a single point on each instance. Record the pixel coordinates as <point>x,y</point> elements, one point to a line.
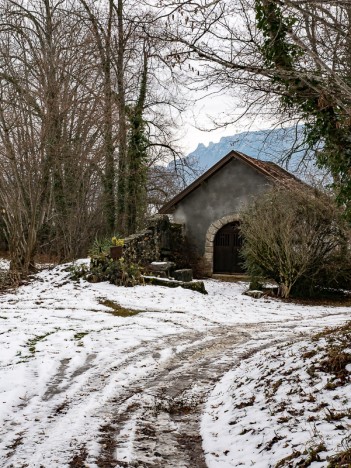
<point>267,145</point>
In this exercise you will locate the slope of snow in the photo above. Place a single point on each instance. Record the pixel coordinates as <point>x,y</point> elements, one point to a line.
<point>65,354</point>
<point>279,409</point>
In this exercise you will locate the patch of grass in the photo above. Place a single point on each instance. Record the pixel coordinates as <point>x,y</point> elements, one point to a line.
<point>61,409</point>
<point>79,459</point>
<point>245,404</point>
<point>276,385</point>
<point>311,398</point>
<point>337,415</point>
<point>333,355</point>
<point>306,458</point>
<point>283,462</point>
<point>309,354</point>
<point>117,309</point>
<point>312,455</point>
<point>273,441</point>
<point>330,385</point>
<point>336,361</point>
<point>329,332</point>
<point>343,458</point>
<point>15,444</point>
<point>283,419</point>
<point>80,335</point>
<point>245,431</point>
<point>33,342</point>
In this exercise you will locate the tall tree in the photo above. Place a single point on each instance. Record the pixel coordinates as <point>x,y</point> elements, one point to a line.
<point>137,104</point>
<point>48,145</point>
<point>122,133</point>
<point>137,154</point>
<point>102,27</point>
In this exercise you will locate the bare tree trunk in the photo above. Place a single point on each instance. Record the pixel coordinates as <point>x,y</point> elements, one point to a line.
<point>109,178</point>
<point>103,39</point>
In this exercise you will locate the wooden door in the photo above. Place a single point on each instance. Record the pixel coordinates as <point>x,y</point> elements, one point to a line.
<point>227,245</point>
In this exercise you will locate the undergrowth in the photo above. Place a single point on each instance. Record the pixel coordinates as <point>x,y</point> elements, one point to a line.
<point>310,383</point>
<point>343,458</point>
<point>103,268</point>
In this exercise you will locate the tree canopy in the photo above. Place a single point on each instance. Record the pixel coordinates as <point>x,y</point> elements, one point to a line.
<point>290,58</point>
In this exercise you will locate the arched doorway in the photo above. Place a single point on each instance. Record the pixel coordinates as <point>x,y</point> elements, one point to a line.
<point>226,249</point>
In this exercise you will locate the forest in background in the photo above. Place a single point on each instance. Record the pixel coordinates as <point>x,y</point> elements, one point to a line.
<point>91,92</point>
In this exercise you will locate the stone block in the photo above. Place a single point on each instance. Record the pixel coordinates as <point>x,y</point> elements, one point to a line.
<point>208,258</point>
<point>211,232</point>
<point>184,275</point>
<point>161,266</point>
<point>192,285</point>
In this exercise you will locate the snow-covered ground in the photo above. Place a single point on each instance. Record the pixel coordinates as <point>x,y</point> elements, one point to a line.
<point>4,264</point>
<point>65,358</point>
<point>281,407</point>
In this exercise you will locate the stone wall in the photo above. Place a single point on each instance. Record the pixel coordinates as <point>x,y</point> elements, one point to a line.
<point>161,240</point>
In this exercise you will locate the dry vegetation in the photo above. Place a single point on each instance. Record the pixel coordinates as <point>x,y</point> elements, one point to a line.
<point>299,239</point>
<point>297,402</point>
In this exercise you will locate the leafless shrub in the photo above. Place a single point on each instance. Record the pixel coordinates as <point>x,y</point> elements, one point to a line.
<point>297,238</point>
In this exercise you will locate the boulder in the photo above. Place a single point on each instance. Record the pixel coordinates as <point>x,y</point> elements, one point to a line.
<point>197,286</point>
<point>255,293</point>
<point>160,269</point>
<point>161,266</point>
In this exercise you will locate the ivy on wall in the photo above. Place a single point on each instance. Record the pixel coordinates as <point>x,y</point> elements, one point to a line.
<point>309,93</point>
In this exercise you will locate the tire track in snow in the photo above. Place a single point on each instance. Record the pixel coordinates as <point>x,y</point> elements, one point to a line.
<point>156,423</point>
<point>143,409</point>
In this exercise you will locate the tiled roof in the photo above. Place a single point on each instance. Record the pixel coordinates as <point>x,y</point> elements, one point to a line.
<point>271,170</point>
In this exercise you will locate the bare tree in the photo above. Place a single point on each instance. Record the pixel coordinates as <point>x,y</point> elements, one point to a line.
<point>288,58</point>
<point>48,146</point>
<point>84,98</point>
<point>138,94</point>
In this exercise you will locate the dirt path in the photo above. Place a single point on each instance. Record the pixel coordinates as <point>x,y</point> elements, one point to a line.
<point>157,420</point>
<point>160,415</point>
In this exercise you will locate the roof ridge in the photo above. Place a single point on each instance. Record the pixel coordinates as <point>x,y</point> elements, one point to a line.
<point>268,168</point>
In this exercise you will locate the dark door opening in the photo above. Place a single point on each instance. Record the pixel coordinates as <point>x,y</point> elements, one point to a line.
<point>227,245</point>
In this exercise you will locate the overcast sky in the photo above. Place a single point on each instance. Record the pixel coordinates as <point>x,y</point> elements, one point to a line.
<point>201,116</point>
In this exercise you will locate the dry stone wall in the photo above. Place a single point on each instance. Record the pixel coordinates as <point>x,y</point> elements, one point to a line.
<point>161,240</point>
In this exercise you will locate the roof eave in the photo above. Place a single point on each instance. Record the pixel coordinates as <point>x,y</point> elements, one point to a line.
<point>170,206</point>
